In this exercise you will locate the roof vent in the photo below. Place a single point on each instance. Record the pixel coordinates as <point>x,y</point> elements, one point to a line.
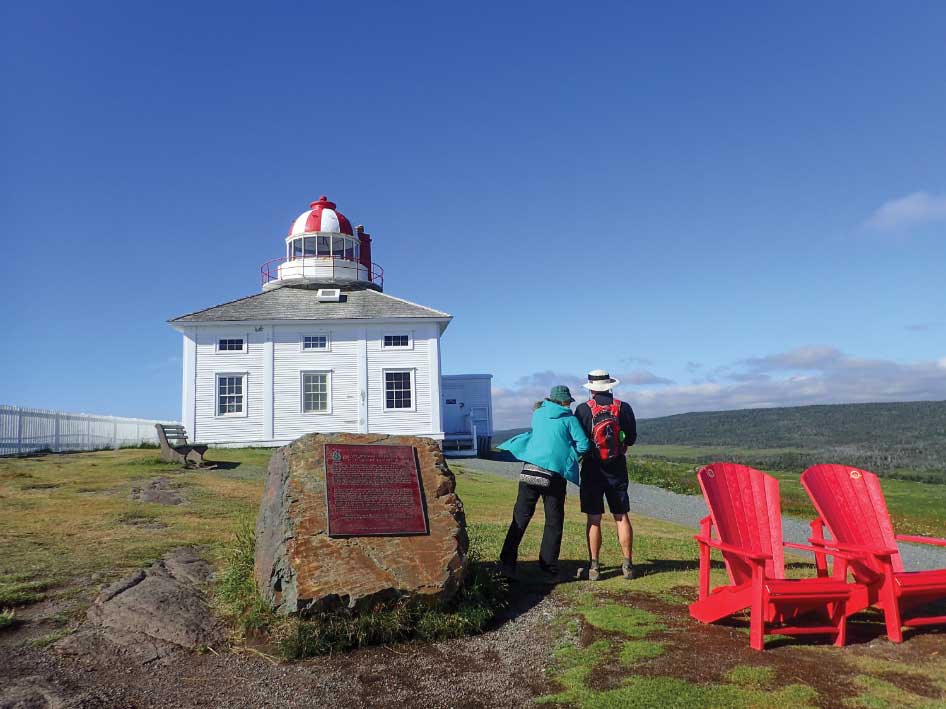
<point>329,295</point>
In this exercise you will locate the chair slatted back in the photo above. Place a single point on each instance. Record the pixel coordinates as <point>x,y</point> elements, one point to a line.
<point>745,507</point>
<point>173,434</point>
<point>852,505</point>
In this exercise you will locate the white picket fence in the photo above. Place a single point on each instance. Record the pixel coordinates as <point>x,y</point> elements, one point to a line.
<point>25,430</point>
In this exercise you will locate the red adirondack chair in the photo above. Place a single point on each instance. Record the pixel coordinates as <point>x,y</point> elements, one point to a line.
<point>744,510</point>
<point>852,505</point>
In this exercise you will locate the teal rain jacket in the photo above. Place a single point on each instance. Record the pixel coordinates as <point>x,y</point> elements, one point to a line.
<point>554,443</point>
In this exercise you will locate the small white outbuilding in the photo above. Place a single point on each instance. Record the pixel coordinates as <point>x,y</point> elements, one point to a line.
<point>322,348</point>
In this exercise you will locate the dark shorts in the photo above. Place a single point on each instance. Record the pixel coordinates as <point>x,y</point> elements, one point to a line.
<point>598,485</point>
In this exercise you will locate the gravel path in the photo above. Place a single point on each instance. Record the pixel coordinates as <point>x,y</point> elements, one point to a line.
<point>688,510</point>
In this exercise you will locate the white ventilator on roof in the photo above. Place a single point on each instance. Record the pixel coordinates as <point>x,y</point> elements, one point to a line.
<point>329,295</point>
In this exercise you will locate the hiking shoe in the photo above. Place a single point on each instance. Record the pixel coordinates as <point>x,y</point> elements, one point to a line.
<point>627,568</point>
<point>593,572</point>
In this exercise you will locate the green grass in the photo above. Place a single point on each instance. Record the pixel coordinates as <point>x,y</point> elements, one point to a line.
<point>68,527</point>
<point>751,676</point>
<point>7,617</point>
<point>915,507</point>
<point>49,638</point>
<point>619,618</point>
<point>635,651</point>
<point>87,525</point>
<point>16,590</point>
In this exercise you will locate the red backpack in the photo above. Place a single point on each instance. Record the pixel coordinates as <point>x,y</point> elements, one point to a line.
<point>606,429</point>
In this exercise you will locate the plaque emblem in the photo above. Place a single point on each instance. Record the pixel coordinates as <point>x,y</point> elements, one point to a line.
<point>336,455</point>
<point>855,475</point>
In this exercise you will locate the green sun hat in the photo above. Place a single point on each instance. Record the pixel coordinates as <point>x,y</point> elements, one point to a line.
<point>561,393</point>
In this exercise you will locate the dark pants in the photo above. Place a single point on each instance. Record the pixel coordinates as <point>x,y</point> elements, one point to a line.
<point>553,498</point>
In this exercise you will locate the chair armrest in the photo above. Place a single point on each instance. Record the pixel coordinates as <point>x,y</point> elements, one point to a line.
<point>823,543</point>
<point>820,550</point>
<point>935,541</point>
<point>751,555</point>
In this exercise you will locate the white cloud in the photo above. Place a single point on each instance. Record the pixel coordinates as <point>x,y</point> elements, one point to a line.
<point>807,375</point>
<point>801,358</point>
<point>911,210</point>
<point>641,377</point>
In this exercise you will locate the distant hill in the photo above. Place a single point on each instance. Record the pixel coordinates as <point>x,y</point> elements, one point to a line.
<point>880,437</point>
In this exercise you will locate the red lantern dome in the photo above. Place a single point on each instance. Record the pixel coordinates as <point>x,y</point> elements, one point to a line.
<point>321,217</point>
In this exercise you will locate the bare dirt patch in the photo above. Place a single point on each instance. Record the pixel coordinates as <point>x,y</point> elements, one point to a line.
<point>161,491</point>
<point>141,521</point>
<point>504,667</point>
<point>40,486</point>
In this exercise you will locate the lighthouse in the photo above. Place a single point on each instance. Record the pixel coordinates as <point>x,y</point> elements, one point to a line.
<point>322,248</point>
<point>321,347</point>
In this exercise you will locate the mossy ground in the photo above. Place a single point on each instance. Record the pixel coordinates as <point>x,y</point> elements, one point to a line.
<point>69,526</point>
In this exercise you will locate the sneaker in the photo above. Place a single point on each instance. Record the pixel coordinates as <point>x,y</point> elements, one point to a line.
<point>593,572</point>
<point>627,568</point>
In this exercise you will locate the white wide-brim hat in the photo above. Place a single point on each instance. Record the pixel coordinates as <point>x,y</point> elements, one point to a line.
<point>600,380</point>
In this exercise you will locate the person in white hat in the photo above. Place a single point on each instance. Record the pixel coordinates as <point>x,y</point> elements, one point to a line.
<point>611,427</point>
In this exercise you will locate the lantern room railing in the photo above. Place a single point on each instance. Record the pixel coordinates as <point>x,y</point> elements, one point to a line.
<point>322,268</point>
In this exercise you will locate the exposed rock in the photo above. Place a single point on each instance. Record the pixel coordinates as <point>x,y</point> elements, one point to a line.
<point>151,613</point>
<point>160,491</point>
<point>299,568</point>
<point>35,693</point>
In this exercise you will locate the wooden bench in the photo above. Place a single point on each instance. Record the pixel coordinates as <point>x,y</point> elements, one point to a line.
<point>175,448</point>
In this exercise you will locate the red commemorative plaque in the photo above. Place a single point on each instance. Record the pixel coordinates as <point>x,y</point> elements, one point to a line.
<point>373,490</point>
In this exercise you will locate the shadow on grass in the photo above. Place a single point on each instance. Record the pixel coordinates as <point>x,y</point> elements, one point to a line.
<point>659,566</point>
<point>529,588</point>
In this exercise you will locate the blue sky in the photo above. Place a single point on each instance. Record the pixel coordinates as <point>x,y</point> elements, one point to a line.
<point>724,204</point>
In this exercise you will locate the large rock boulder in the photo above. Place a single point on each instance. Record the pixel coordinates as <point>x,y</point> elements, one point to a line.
<point>152,613</point>
<point>299,568</point>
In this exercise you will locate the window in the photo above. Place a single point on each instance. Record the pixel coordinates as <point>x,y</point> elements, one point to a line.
<point>316,393</point>
<point>338,246</point>
<point>314,342</point>
<point>398,390</point>
<point>323,246</point>
<point>309,248</point>
<point>297,248</point>
<point>231,392</point>
<point>231,344</point>
<point>398,341</point>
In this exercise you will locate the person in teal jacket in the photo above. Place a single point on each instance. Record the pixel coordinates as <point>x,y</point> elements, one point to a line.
<point>549,453</point>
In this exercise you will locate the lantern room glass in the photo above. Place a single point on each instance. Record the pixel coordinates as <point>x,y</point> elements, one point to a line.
<point>342,247</point>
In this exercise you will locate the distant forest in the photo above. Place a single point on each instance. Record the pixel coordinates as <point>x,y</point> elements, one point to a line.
<point>906,439</point>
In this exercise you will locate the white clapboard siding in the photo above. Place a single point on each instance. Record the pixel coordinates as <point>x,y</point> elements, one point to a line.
<point>211,428</point>
<point>26,430</point>
<point>290,360</point>
<point>417,358</point>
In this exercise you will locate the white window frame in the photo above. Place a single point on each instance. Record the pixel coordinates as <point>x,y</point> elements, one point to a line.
<point>241,414</point>
<point>384,389</point>
<point>315,333</point>
<point>398,333</point>
<point>328,391</point>
<point>245,338</point>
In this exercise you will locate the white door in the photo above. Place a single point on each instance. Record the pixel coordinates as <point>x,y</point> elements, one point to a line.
<point>453,409</point>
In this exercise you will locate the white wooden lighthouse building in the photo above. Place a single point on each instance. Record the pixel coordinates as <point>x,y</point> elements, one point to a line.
<point>324,349</point>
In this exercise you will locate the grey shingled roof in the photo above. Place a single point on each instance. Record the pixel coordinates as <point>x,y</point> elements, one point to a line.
<point>302,304</point>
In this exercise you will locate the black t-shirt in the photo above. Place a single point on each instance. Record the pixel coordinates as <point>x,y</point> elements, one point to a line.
<point>591,462</point>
